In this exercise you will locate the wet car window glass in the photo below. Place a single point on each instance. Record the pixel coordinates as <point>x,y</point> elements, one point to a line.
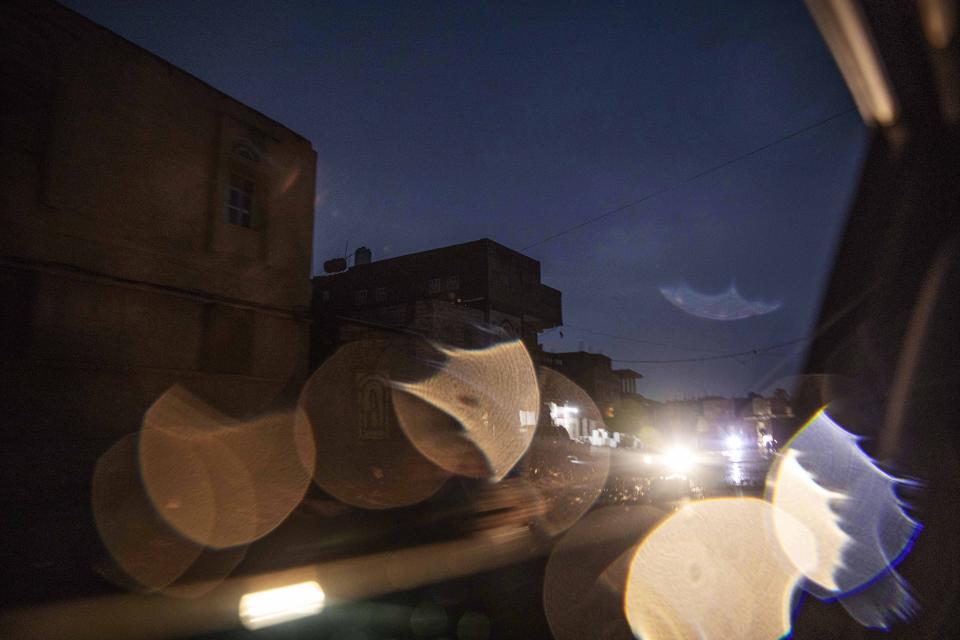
<point>437,320</point>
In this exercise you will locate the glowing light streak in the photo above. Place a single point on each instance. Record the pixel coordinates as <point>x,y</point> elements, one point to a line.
<point>274,606</point>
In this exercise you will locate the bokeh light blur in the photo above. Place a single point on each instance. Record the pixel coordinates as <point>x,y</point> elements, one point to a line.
<point>218,481</point>
<point>385,422</point>
<point>144,546</point>
<point>797,496</point>
<point>861,525</point>
<point>146,552</point>
<point>363,458</point>
<point>493,395</point>
<point>437,435</point>
<point>714,569</point>
<point>568,474</point>
<point>832,524</point>
<point>586,575</point>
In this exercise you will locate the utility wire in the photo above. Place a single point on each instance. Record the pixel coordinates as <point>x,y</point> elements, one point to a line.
<point>719,356</point>
<point>824,326</point>
<point>725,356</point>
<point>641,341</point>
<point>689,179</point>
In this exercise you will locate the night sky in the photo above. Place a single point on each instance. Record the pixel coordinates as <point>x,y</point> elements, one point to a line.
<point>441,123</point>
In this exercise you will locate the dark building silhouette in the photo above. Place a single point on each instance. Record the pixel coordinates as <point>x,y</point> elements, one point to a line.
<point>463,295</point>
<point>614,391</point>
<point>154,231</point>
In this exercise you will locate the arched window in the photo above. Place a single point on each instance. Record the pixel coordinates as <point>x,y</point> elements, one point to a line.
<point>246,151</point>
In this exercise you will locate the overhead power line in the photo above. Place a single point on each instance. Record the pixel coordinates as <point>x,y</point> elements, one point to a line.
<point>642,341</point>
<point>689,179</point>
<point>824,326</point>
<point>725,356</point>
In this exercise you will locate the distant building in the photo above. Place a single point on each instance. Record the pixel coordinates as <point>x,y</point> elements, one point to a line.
<point>773,414</point>
<point>614,391</point>
<point>713,417</point>
<point>154,231</point>
<point>462,295</point>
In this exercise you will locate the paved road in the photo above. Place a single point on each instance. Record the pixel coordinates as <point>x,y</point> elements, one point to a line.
<point>634,474</point>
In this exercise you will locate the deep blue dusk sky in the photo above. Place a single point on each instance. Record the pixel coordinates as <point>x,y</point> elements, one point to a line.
<point>440,123</point>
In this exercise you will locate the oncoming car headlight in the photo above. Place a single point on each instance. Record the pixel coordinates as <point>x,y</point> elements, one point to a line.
<point>679,458</point>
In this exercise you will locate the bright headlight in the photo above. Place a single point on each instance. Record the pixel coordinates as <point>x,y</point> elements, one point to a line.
<point>733,442</point>
<point>679,458</point>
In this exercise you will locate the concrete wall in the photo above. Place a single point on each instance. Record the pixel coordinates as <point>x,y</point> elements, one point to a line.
<point>119,272</point>
<point>131,178</point>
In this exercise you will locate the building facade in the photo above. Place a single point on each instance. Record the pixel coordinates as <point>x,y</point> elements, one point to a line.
<point>712,418</point>
<point>614,391</point>
<point>155,232</point>
<point>464,295</point>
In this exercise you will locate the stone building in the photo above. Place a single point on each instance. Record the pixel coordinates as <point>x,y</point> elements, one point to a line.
<point>154,231</point>
<point>461,295</point>
<point>614,391</point>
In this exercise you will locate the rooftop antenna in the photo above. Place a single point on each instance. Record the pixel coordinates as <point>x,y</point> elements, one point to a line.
<point>346,254</point>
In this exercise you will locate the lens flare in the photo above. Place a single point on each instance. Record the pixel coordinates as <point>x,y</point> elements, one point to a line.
<point>145,548</point>
<point>586,574</point>
<point>857,518</point>
<point>207,572</point>
<point>143,545</point>
<point>714,569</point>
<point>727,305</point>
<point>569,475</point>
<point>218,481</point>
<point>731,567</point>
<point>436,434</point>
<point>363,458</point>
<point>798,496</point>
<point>493,395</point>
